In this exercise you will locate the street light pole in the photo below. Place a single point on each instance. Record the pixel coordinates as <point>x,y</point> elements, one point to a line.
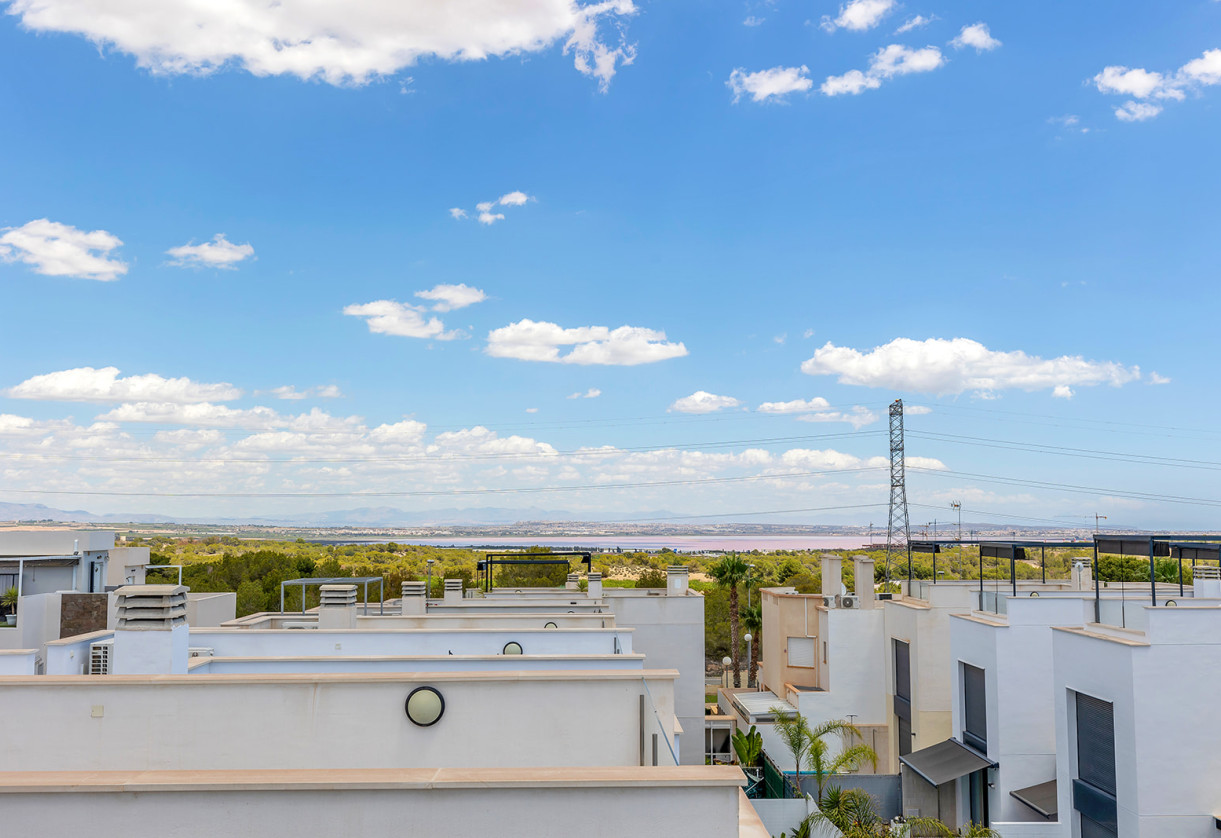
<point>428,584</point>
<point>748,638</point>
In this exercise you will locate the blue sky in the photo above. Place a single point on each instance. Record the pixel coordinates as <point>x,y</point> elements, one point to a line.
<point>1005,214</point>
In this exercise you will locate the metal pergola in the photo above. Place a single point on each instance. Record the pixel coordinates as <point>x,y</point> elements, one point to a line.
<point>313,582</point>
<point>1201,547</point>
<point>490,560</point>
<point>1014,551</point>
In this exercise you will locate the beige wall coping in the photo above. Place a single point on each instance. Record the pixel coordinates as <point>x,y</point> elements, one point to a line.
<point>527,657</point>
<point>244,631</point>
<point>749,824</point>
<point>229,679</point>
<point>1106,635</point>
<point>357,779</point>
<point>18,651</point>
<point>997,621</point>
<point>80,638</point>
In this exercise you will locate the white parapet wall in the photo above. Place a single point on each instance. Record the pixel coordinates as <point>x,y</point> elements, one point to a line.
<point>456,803</point>
<point>203,722</point>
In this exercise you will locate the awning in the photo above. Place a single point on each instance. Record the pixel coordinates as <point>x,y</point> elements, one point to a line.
<point>758,707</point>
<point>946,761</point>
<point>1041,798</point>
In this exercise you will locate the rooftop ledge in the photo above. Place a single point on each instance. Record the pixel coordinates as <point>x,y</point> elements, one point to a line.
<point>340,677</point>
<point>355,779</point>
<point>1115,634</point>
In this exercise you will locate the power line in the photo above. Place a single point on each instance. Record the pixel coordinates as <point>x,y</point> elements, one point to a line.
<point>449,492</point>
<point>1069,487</point>
<point>574,452</point>
<point>1087,453</point>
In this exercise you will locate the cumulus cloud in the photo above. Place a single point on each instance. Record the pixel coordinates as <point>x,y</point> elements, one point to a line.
<point>1154,378</point>
<point>389,317</point>
<point>917,22</point>
<point>290,393</point>
<point>1133,111</point>
<point>528,340</point>
<point>1143,85</point>
<point>55,249</point>
<point>484,210</point>
<point>1062,391</point>
<point>218,253</point>
<point>977,36</point>
<point>886,63</point>
<point>451,297</point>
<point>86,384</point>
<point>753,21</point>
<point>942,367</point>
<point>858,15</point>
<point>916,410</point>
<point>339,43</point>
<point>701,401</point>
<point>775,83</point>
<point>591,393</point>
<point>819,409</point>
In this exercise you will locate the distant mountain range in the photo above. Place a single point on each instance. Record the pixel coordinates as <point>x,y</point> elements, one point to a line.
<point>380,516</point>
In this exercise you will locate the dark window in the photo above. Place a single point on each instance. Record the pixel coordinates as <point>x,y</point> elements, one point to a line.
<point>1094,788</point>
<point>975,708</point>
<point>903,696</point>
<point>903,670</point>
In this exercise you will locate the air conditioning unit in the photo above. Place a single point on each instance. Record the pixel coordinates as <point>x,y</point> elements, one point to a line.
<point>201,651</point>
<point>829,601</point>
<point>100,654</point>
<point>848,602</point>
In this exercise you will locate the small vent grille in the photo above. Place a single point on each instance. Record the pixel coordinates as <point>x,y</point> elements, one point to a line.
<point>99,657</point>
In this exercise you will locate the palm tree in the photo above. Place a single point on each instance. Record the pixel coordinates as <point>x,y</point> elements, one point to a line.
<point>752,619</point>
<point>729,572</point>
<point>851,812</point>
<point>808,748</point>
<point>850,759</point>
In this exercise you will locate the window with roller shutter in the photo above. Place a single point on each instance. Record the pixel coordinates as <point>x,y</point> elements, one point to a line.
<point>801,651</point>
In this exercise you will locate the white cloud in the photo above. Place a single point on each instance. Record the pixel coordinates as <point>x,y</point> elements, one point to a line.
<point>807,334</point>
<point>218,253</point>
<point>55,249</point>
<point>87,384</point>
<point>819,409</point>
<point>769,84</point>
<point>389,317</point>
<point>340,43</point>
<point>916,410</point>
<point>702,401</point>
<point>796,406</point>
<point>858,417</point>
<point>483,209</point>
<point>290,393</point>
<point>1062,391</point>
<point>514,199</point>
<point>890,61</point>
<point>917,22</point>
<point>531,410</point>
<point>1154,378</point>
<point>1133,111</point>
<point>202,414</point>
<point>942,367</point>
<point>527,340</point>
<point>753,21</point>
<point>451,297</point>
<point>1140,83</point>
<point>976,35</point>
<point>858,15</point>
<point>591,393</point>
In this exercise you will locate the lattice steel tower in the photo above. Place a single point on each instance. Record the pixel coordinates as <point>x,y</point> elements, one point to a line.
<point>897,530</point>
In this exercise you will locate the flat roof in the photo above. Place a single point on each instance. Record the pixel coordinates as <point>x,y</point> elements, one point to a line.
<point>287,678</point>
<point>331,779</point>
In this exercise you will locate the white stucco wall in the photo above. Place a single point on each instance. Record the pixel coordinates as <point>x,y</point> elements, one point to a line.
<point>209,610</point>
<point>17,661</point>
<point>442,663</point>
<point>319,721</point>
<point>669,631</point>
<point>229,642</point>
<point>480,809</point>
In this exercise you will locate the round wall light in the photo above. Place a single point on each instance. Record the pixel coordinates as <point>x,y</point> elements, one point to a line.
<point>1170,603</point>
<point>551,626</point>
<point>511,648</point>
<point>425,706</point>
<point>1034,593</point>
